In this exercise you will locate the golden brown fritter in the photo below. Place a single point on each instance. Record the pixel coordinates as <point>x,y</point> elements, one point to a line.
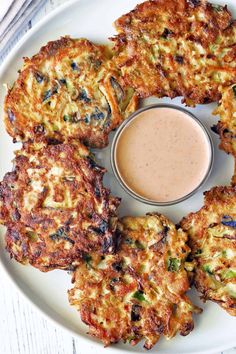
<point>177,48</point>
<point>212,233</point>
<point>139,292</point>
<point>55,207</point>
<point>69,89</point>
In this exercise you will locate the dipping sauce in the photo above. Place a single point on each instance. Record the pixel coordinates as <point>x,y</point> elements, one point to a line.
<point>162,154</point>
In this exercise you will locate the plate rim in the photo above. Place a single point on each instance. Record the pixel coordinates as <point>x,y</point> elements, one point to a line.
<point>33,30</point>
<point>3,267</point>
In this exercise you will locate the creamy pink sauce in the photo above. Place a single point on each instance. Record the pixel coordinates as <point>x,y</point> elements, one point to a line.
<point>162,154</point>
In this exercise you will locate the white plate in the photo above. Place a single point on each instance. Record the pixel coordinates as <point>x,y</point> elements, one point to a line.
<point>214,330</point>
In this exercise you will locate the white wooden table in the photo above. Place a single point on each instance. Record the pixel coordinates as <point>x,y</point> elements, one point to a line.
<point>22,329</point>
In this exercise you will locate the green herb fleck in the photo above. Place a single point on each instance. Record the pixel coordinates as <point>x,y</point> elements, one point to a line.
<point>142,267</point>
<point>229,274</point>
<point>131,338</point>
<point>87,119</point>
<point>139,245</point>
<point>224,253</point>
<point>207,269</point>
<point>66,118</point>
<point>173,264</point>
<point>213,47</point>
<point>139,295</point>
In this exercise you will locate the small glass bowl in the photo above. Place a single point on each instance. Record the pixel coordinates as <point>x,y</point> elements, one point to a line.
<point>130,191</point>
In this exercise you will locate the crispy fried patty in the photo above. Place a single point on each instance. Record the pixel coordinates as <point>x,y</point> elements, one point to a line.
<point>177,48</point>
<point>69,89</point>
<point>212,233</point>
<point>55,207</point>
<point>138,293</point>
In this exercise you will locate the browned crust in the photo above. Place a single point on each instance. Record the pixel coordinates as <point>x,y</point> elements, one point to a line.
<point>226,137</point>
<point>210,240</point>
<point>141,265</point>
<point>53,220</point>
<point>160,73</point>
<point>29,116</point>
<point>201,283</point>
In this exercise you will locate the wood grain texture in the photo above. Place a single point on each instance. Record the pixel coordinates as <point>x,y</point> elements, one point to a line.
<point>22,329</point>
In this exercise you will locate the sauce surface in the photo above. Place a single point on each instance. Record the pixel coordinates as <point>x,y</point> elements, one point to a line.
<point>162,154</point>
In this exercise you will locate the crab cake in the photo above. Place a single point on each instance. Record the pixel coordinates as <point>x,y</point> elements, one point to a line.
<point>212,233</point>
<point>177,48</point>
<point>139,292</point>
<point>70,89</point>
<point>226,127</point>
<point>55,207</point>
